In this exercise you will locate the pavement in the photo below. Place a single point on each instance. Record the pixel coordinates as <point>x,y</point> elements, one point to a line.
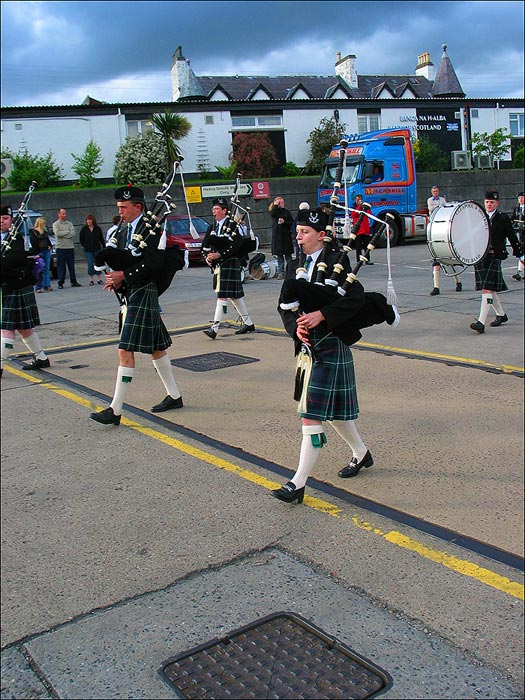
<point>124,546</point>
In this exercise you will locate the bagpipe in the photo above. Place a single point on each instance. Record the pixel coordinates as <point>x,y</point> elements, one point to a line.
<point>237,239</point>
<point>303,296</point>
<point>149,232</point>
<point>18,221</point>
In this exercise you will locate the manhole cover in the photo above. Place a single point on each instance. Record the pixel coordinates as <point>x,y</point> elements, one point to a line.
<point>213,360</point>
<point>279,656</point>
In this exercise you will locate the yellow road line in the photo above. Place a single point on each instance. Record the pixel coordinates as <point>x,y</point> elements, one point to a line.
<point>461,566</point>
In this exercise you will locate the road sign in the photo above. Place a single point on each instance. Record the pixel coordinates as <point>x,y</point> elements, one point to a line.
<point>225,190</point>
<point>193,195</point>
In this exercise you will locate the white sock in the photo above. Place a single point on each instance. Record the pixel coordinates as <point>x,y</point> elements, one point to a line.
<point>435,276</point>
<point>221,309</point>
<point>7,345</point>
<point>348,431</point>
<point>456,279</point>
<point>240,307</point>
<point>124,377</point>
<point>498,308</point>
<point>309,454</point>
<point>32,342</point>
<point>486,305</point>
<point>521,266</point>
<point>165,372</point>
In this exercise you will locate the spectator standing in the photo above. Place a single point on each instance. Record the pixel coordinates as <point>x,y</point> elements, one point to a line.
<point>19,309</point>
<point>302,205</point>
<point>433,202</point>
<point>92,240</point>
<point>41,245</point>
<point>64,232</point>
<point>282,245</point>
<point>518,221</point>
<point>489,276</point>
<point>364,232</point>
<point>113,228</point>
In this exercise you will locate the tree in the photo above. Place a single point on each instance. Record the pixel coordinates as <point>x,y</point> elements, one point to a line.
<point>142,160</point>
<point>322,139</point>
<point>254,154</point>
<point>496,144</point>
<point>429,157</point>
<point>518,161</point>
<point>172,127</point>
<point>88,164</point>
<point>26,168</point>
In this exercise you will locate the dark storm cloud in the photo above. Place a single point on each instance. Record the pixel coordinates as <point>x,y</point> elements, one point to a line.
<point>58,52</point>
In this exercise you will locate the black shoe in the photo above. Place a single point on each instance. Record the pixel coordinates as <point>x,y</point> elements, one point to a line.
<point>106,417</point>
<point>517,276</point>
<point>459,287</point>
<point>167,404</point>
<point>478,326</point>
<point>61,285</point>
<point>210,333</point>
<point>434,292</point>
<point>75,284</point>
<point>245,329</point>
<point>353,468</point>
<point>499,320</point>
<point>38,364</point>
<point>288,493</point>
<point>369,263</point>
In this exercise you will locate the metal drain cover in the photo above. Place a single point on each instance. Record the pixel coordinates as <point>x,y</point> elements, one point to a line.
<point>212,360</point>
<point>279,656</point>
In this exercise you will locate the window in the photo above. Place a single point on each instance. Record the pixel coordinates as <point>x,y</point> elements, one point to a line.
<point>367,122</point>
<point>18,127</point>
<point>134,128</point>
<point>257,121</point>
<point>474,113</point>
<point>208,119</point>
<point>517,124</point>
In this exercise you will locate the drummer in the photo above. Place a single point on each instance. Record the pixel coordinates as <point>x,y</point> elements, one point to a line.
<point>489,276</point>
<point>433,202</point>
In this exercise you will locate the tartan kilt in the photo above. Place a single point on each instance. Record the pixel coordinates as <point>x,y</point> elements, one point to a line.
<point>227,279</point>
<point>489,274</point>
<point>331,392</point>
<point>19,309</point>
<point>143,329</point>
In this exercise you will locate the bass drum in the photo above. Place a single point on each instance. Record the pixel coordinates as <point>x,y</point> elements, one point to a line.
<point>458,234</point>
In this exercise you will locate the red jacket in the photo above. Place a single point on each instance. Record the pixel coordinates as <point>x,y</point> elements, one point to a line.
<point>364,229</point>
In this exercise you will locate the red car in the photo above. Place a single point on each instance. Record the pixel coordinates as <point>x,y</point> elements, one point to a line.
<point>178,235</point>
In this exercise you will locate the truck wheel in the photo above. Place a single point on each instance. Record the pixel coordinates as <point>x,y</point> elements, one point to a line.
<point>394,237</point>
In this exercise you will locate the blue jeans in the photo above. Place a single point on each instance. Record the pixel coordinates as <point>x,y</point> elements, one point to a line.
<point>66,257</point>
<point>46,277</point>
<point>90,258</point>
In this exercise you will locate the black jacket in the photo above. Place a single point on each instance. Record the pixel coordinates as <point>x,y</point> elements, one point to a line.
<point>17,268</point>
<point>500,229</point>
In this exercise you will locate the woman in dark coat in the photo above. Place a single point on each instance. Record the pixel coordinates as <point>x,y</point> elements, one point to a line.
<point>92,240</point>
<point>282,244</point>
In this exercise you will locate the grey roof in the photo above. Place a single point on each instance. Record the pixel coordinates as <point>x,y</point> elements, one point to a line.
<point>446,83</point>
<point>282,87</point>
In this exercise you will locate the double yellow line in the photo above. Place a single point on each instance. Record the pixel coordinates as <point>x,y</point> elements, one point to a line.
<point>460,566</point>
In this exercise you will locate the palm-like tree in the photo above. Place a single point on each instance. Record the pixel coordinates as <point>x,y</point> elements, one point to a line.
<point>172,128</point>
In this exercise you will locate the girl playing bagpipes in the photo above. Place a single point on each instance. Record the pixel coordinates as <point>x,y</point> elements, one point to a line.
<point>324,320</point>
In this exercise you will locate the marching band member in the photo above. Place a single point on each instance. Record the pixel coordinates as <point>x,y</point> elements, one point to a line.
<point>489,276</point>
<point>435,202</point>
<point>223,248</point>
<point>19,309</point>
<point>329,392</point>
<point>143,329</point>
<point>518,221</point>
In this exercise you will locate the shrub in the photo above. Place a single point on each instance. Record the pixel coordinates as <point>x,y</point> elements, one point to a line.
<point>519,158</point>
<point>291,169</point>
<point>142,160</point>
<point>254,154</point>
<point>429,157</point>
<point>227,172</point>
<point>88,165</point>
<point>26,168</point>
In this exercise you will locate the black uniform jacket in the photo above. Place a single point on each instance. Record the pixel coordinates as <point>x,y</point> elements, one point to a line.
<point>145,267</point>
<point>16,268</point>
<point>231,245</point>
<point>338,313</point>
<point>500,229</point>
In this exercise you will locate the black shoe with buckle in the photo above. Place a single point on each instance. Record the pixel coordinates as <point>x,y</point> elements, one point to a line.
<point>289,493</point>
<point>353,468</point>
<point>459,287</point>
<point>75,284</point>
<point>245,329</point>
<point>210,333</point>
<point>167,404</point>
<point>38,364</point>
<point>517,276</point>
<point>434,292</point>
<point>478,326</point>
<point>499,320</point>
<point>106,417</point>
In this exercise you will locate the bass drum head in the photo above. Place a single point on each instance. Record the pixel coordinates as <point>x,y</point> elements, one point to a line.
<point>458,233</point>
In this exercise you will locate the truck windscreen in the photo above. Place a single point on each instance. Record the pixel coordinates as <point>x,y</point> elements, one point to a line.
<point>330,169</point>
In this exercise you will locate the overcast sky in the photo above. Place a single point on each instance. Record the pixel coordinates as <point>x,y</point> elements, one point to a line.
<point>56,53</point>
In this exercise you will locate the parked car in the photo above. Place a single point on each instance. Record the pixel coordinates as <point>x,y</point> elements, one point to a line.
<point>28,223</point>
<point>178,235</point>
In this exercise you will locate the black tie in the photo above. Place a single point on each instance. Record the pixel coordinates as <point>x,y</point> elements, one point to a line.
<point>128,237</point>
<point>308,261</point>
